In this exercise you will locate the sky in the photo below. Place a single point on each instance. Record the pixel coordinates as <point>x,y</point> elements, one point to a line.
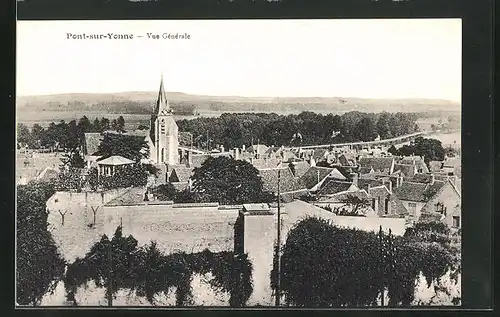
<point>405,58</point>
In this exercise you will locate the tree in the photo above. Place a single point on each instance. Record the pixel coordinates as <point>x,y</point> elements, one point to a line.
<point>355,204</point>
<point>393,150</point>
<point>120,124</point>
<point>125,176</point>
<point>72,159</point>
<point>129,146</point>
<point>366,130</point>
<point>110,264</point>
<point>23,134</point>
<point>104,125</point>
<point>383,128</point>
<point>38,263</point>
<point>165,192</point>
<point>229,181</point>
<point>430,149</point>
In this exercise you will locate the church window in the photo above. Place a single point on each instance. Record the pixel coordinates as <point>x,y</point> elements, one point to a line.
<point>162,155</point>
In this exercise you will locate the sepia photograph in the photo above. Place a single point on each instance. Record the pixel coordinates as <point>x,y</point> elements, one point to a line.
<point>239,163</point>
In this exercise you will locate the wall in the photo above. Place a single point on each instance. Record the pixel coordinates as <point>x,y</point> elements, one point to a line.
<point>420,205</point>
<point>77,235</point>
<point>259,239</point>
<point>174,227</point>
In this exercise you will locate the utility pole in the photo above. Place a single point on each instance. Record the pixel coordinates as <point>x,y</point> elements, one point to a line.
<point>381,263</point>
<point>278,248</point>
<point>110,285</point>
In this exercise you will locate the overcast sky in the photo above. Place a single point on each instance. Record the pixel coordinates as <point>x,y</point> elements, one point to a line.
<point>418,58</point>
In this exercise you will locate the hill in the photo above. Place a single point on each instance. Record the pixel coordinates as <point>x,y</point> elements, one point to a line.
<point>137,102</point>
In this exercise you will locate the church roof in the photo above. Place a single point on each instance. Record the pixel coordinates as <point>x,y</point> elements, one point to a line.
<point>162,108</point>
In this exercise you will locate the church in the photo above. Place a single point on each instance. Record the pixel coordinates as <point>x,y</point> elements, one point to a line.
<point>163,136</point>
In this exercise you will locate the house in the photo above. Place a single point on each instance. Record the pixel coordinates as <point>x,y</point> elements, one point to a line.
<point>417,161</point>
<point>446,202</point>
<point>385,203</point>
<point>408,170</point>
<point>108,166</point>
<point>437,196</point>
<point>378,164</point>
<point>316,176</point>
<point>288,184</point>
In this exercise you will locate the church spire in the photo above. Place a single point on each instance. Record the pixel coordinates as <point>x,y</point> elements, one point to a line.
<point>162,105</point>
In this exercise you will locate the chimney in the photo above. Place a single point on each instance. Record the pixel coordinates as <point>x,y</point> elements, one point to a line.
<point>368,189</point>
<point>312,162</point>
<point>399,181</point>
<point>243,147</point>
<point>433,179</point>
<point>222,148</point>
<point>189,158</point>
<point>236,153</point>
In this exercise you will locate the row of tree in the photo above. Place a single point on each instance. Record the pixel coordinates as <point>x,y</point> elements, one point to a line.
<point>65,135</point>
<point>308,128</point>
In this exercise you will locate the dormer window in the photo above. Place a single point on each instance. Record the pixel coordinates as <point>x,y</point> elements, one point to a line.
<point>440,208</point>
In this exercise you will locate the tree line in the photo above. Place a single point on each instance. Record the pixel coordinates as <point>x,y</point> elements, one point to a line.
<point>65,135</point>
<point>307,128</point>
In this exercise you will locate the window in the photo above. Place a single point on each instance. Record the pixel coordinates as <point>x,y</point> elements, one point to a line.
<point>456,221</point>
<point>440,208</point>
<point>373,203</point>
<point>386,208</point>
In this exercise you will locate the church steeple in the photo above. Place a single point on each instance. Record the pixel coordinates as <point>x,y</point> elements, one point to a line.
<point>162,106</point>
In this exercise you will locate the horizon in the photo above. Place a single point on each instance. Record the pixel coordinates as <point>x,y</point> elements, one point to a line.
<point>365,59</point>
<point>234,96</point>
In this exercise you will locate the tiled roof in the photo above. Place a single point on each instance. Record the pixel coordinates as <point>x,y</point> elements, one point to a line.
<point>288,183</point>
<point>92,142</point>
<point>319,154</point>
<point>364,183</point>
<point>341,196</point>
<point>182,173</point>
<point>314,175</point>
<point>435,166</point>
<point>417,191</point>
<point>115,160</point>
<point>366,170</point>
<point>377,163</point>
<point>408,170</point>
<point>414,160</point>
<point>266,163</point>
<point>257,148</point>
<point>379,191</point>
<point>334,187</point>
<point>300,168</point>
